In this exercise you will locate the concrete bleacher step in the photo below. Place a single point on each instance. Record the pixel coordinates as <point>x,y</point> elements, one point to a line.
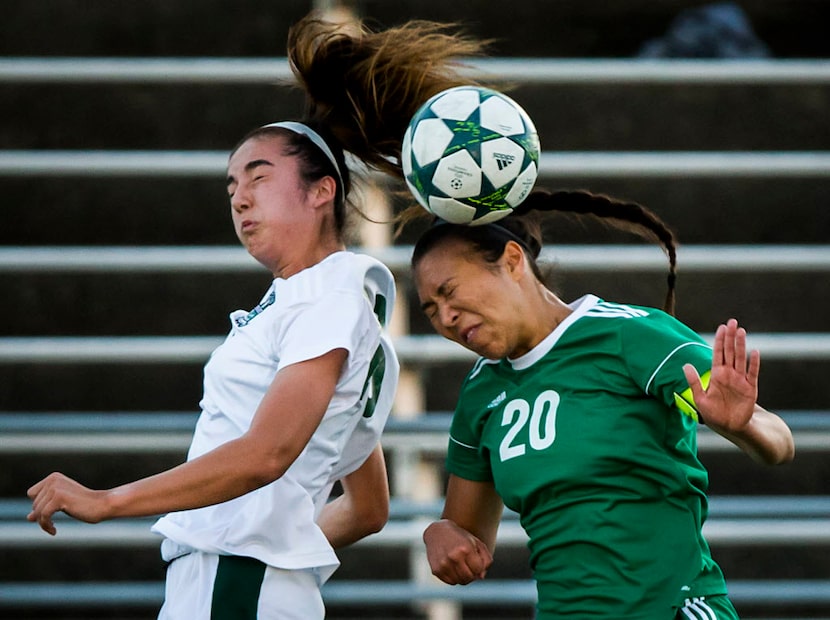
<point>79,302</point>
<point>569,117</point>
<point>193,210</point>
<point>101,373</point>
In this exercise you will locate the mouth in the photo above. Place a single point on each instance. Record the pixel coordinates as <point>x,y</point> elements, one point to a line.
<point>468,334</point>
<point>247,226</point>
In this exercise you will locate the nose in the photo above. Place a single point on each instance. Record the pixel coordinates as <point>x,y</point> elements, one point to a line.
<point>447,315</point>
<point>240,201</point>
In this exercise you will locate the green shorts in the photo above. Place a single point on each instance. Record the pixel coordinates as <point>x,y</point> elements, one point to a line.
<point>717,607</point>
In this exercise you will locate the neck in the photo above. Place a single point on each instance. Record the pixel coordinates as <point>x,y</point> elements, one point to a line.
<point>551,313</point>
<point>546,312</point>
<point>304,260</point>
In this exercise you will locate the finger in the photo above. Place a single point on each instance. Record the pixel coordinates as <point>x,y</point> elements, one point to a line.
<point>729,343</point>
<point>46,504</point>
<point>465,576</point>
<point>44,519</point>
<point>41,500</point>
<point>47,525</point>
<point>717,346</point>
<point>477,561</point>
<point>35,489</point>
<point>693,379</point>
<point>754,368</point>
<point>485,559</point>
<point>450,580</point>
<point>740,349</point>
<point>468,567</point>
<point>454,572</point>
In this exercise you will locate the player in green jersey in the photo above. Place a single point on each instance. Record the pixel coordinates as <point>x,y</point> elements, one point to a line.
<point>581,417</point>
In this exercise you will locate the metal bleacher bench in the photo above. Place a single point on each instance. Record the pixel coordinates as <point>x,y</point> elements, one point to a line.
<point>734,520</point>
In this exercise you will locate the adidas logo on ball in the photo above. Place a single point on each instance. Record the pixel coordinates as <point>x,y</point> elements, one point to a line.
<point>503,160</point>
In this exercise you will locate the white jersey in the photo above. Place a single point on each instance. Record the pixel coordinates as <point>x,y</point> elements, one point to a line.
<point>342,302</point>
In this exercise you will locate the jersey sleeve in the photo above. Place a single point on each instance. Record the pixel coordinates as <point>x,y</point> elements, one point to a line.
<point>465,456</point>
<point>656,348</point>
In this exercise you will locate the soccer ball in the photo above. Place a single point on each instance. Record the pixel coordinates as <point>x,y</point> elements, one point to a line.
<point>470,155</point>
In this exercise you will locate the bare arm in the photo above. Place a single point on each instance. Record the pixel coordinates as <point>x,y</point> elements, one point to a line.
<point>363,508</point>
<point>728,405</point>
<point>766,438</point>
<point>287,416</point>
<point>460,546</point>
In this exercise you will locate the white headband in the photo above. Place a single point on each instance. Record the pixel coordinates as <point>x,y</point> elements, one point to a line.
<point>317,139</point>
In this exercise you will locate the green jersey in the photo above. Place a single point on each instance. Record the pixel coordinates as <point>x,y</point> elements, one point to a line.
<point>591,438</point>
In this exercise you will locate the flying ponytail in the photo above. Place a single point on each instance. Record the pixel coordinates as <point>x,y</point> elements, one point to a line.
<point>366,86</point>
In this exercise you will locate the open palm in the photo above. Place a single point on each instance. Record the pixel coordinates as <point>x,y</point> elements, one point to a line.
<point>729,400</point>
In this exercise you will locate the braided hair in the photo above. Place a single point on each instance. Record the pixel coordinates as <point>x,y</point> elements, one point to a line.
<point>523,226</point>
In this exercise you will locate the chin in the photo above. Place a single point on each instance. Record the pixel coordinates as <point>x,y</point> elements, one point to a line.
<point>486,352</point>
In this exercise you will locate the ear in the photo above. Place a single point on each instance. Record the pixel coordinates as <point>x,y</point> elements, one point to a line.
<point>324,191</point>
<point>514,259</point>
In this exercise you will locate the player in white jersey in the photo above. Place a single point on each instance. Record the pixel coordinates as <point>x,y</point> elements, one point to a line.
<point>295,399</point>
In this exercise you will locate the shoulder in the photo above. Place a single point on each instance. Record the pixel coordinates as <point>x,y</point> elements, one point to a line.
<point>340,273</point>
<point>616,312</point>
<point>597,320</point>
<point>355,268</point>
<point>477,388</point>
<point>633,329</point>
<point>630,318</point>
<point>376,281</point>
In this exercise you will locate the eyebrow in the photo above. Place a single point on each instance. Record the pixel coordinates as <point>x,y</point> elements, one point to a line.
<point>440,292</point>
<point>256,163</point>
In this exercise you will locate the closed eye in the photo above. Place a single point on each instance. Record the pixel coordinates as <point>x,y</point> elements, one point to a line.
<point>429,309</point>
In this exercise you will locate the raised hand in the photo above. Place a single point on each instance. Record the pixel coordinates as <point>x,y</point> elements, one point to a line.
<point>729,400</point>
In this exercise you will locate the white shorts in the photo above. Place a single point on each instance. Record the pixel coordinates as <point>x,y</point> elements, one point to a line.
<point>205,586</point>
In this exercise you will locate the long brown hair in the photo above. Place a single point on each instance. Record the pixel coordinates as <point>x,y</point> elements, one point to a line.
<point>365,87</point>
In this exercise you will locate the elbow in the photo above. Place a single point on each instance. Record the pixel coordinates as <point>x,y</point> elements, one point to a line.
<point>266,468</point>
<point>271,469</point>
<point>373,518</point>
<point>377,519</point>
<point>787,454</point>
<point>259,463</point>
<point>786,449</point>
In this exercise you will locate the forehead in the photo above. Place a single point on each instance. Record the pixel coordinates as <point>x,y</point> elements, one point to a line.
<point>263,147</point>
<point>444,261</point>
